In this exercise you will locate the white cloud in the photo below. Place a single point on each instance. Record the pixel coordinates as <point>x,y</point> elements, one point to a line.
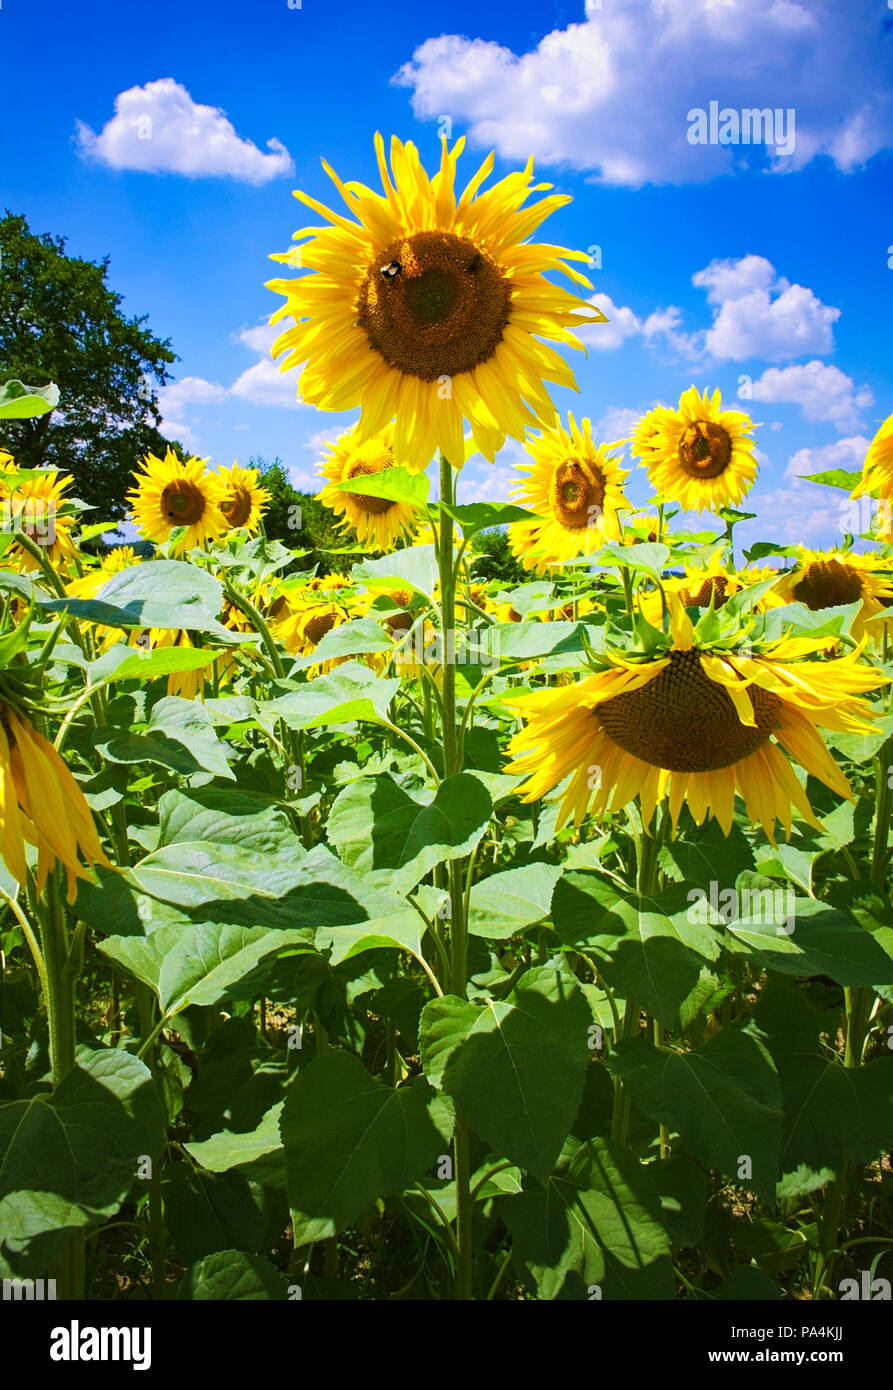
<point>264,383</point>
<point>612,94</point>
<point>622,324</point>
<point>774,321</point>
<point>189,390</point>
<point>843,453</point>
<point>794,513</point>
<point>822,392</point>
<point>158,128</point>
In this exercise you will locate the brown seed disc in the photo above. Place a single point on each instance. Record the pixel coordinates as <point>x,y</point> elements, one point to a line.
<point>685,722</point>
<point>316,627</point>
<point>182,503</point>
<point>237,507</point>
<point>827,583</point>
<point>705,450</point>
<point>577,493</point>
<point>715,584</point>
<point>433,304</point>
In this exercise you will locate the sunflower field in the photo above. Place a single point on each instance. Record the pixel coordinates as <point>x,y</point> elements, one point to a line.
<point>397,934</point>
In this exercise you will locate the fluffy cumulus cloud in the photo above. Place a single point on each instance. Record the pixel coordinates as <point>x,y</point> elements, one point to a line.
<point>613,93</point>
<point>158,128</point>
<point>174,401</point>
<point>822,392</point>
<point>263,383</point>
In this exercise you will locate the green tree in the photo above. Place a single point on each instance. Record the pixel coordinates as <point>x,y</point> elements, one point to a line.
<point>60,322</point>
<point>492,558</point>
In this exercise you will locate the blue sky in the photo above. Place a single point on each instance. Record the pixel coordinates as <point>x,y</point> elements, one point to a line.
<point>143,133</point>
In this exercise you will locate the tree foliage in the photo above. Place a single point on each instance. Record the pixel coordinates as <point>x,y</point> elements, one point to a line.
<point>60,322</point>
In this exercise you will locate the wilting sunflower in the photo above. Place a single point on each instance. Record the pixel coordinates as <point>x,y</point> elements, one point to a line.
<point>877,476</point>
<point>36,508</point>
<point>170,493</point>
<point>825,579</point>
<point>693,724</point>
<point>378,521</point>
<point>240,497</point>
<point>429,310</point>
<point>698,455</point>
<point>42,803</point>
<point>577,487</point>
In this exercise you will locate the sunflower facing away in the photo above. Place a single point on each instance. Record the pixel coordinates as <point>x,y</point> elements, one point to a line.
<point>693,725</point>
<point>170,493</point>
<point>35,507</point>
<point>699,455</point>
<point>377,521</point>
<point>429,309</point>
<point>241,498</point>
<point>42,803</point>
<point>577,485</point>
<point>877,476</point>
<point>823,579</point>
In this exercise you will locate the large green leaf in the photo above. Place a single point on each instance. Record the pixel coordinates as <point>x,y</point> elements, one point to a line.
<point>515,1066</point>
<point>179,735</point>
<point>69,1158</point>
<point>824,941</point>
<point>257,1153</point>
<point>208,1212</point>
<point>705,854</point>
<point>349,1140</point>
<point>375,824</point>
<point>415,566</point>
<point>352,692</point>
<point>20,402</point>
<point>594,1230</point>
<point>650,949</point>
<point>396,484</point>
<point>163,593</point>
<point>723,1098</point>
<point>510,902</point>
<point>233,1276</point>
<point>229,817</point>
<point>350,639</point>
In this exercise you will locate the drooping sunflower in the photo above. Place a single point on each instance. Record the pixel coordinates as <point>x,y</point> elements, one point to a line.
<point>877,477</point>
<point>428,309</point>
<point>699,455</point>
<point>378,521</point>
<point>170,493</point>
<point>240,497</point>
<point>693,724</point>
<point>826,579</point>
<point>42,803</point>
<point>35,507</point>
<point>576,485</point>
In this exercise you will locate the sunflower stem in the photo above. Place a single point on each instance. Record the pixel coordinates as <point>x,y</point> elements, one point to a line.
<point>458,931</point>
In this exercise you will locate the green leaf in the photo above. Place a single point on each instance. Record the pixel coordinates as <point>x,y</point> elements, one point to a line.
<point>209,1212</point>
<point>415,566</point>
<point>230,817</point>
<point>375,824</point>
<point>396,484</point>
<point>649,949</point>
<point>397,930</point>
<point>162,661</point>
<point>352,692</point>
<point>516,1066</point>
<point>594,1229</point>
<point>350,639</point>
<point>824,941</point>
<point>834,477</point>
<point>507,903</point>
<point>482,516</point>
<point>706,855</point>
<point>78,1146</point>
<point>349,1140</point>
<point>20,402</point>
<point>724,1099</point>
<point>257,1154</point>
<point>232,1276</point>
<point>179,735</point>
<point>647,557</point>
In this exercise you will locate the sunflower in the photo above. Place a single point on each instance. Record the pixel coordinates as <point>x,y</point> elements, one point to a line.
<point>693,725</point>
<point>825,579</point>
<point>698,455</point>
<point>302,617</point>
<point>701,585</point>
<point>42,803</point>
<point>377,521</point>
<point>577,487</point>
<point>36,508</point>
<point>428,310</point>
<point>171,493</point>
<point>877,476</point>
<point>240,497</point>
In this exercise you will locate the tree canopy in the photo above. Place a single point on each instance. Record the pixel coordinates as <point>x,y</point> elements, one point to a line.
<point>60,322</point>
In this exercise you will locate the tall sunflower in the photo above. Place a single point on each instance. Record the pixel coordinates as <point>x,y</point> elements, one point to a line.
<point>240,497</point>
<point>428,309</point>
<point>699,455</point>
<point>42,803</point>
<point>693,724</point>
<point>576,485</point>
<point>826,579</point>
<point>170,493</point>
<point>35,507</point>
<point>877,476</point>
<point>378,521</point>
